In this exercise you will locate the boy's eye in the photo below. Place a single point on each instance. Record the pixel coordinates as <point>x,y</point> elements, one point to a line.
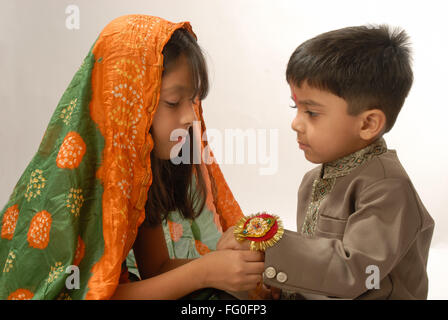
<point>312,114</point>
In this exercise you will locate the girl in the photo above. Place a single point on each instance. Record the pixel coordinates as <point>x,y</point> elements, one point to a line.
<point>102,180</point>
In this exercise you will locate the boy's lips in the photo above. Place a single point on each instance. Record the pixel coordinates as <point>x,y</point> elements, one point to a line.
<point>302,145</point>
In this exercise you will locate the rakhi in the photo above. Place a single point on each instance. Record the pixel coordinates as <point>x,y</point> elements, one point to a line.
<point>263,230</point>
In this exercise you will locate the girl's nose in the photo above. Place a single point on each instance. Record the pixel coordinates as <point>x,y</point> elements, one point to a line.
<point>188,115</point>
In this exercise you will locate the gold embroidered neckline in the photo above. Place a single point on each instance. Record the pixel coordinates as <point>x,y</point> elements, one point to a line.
<point>331,170</point>
<point>345,165</point>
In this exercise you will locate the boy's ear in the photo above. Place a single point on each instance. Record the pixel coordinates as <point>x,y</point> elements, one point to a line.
<point>373,123</point>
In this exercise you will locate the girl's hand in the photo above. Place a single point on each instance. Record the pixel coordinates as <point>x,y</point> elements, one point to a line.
<point>228,241</point>
<point>233,270</point>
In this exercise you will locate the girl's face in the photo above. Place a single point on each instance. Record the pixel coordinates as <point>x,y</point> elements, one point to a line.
<point>175,111</point>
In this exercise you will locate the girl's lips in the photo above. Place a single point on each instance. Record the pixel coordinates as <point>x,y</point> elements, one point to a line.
<point>181,139</point>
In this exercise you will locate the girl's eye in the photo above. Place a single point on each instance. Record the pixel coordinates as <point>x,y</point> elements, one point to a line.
<point>172,104</point>
<point>294,106</point>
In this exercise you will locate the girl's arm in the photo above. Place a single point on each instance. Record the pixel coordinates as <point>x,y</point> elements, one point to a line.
<point>232,270</point>
<point>151,253</point>
<point>173,284</point>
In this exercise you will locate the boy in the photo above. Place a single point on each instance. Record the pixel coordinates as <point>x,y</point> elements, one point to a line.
<point>363,231</point>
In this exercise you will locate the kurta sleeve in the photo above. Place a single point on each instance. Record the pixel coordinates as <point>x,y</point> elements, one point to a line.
<point>379,233</point>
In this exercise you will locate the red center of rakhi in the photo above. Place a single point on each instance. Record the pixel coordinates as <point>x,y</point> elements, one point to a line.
<point>269,234</point>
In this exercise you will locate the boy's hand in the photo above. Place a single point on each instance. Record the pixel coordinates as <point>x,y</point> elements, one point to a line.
<point>262,292</point>
<point>275,292</point>
<point>265,292</point>
<point>228,241</point>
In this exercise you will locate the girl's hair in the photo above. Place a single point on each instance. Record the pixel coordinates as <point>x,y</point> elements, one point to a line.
<point>173,186</point>
<point>183,42</point>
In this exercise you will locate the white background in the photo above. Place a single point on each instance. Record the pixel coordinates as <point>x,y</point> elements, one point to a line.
<point>247,45</point>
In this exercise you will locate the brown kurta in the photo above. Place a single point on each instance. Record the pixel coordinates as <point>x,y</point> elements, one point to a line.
<point>358,211</point>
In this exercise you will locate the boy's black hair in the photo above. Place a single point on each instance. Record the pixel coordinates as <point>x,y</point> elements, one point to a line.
<point>369,67</point>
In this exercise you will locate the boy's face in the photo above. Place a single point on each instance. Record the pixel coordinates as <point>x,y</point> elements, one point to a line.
<point>325,131</point>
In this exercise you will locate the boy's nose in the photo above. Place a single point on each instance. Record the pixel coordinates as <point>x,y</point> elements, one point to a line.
<point>297,124</point>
